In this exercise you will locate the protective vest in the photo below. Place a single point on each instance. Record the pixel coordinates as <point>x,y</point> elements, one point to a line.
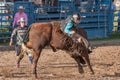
<point>20,34</point>
<point>69,19</point>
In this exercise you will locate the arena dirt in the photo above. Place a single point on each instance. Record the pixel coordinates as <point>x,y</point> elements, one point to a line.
<point>105,60</point>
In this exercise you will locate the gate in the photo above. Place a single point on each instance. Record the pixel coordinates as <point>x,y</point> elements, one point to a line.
<point>6,18</point>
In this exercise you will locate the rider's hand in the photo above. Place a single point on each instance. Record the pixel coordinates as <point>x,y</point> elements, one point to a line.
<point>72,32</point>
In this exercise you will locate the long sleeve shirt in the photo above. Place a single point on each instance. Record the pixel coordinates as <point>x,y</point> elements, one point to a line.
<point>18,16</point>
<point>68,28</point>
<point>20,33</point>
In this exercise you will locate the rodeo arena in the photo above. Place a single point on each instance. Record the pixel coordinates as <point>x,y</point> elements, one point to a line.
<point>59,39</point>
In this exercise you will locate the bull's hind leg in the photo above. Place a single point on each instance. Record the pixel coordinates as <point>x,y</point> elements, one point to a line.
<point>36,56</point>
<point>86,58</point>
<point>80,68</point>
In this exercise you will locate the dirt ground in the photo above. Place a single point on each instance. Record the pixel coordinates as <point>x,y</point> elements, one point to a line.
<point>105,60</point>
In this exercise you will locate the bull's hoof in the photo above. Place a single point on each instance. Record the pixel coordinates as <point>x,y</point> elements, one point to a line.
<point>89,51</point>
<point>54,50</point>
<point>81,71</point>
<point>34,77</point>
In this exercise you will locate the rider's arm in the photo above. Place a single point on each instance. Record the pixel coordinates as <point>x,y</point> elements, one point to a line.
<point>12,35</point>
<point>68,28</point>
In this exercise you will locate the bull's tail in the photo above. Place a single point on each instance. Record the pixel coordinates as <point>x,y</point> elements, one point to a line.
<point>24,48</point>
<point>26,38</point>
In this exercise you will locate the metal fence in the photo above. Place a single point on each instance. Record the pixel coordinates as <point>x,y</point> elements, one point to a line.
<point>6,18</point>
<point>97,20</point>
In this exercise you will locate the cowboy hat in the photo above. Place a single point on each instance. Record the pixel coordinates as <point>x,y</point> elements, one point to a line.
<point>21,7</point>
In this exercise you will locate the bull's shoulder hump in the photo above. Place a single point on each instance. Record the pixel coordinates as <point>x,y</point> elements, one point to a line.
<point>41,25</point>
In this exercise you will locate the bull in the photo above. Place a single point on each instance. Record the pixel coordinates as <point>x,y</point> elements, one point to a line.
<point>49,33</point>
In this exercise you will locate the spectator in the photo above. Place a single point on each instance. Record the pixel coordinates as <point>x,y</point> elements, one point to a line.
<point>8,17</point>
<point>18,15</point>
<point>7,12</point>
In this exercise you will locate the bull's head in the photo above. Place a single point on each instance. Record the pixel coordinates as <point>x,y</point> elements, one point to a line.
<point>78,48</point>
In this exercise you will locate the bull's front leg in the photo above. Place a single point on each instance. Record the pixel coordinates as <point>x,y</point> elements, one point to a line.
<point>36,56</point>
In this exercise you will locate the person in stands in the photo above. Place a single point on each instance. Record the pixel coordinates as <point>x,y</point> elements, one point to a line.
<point>18,15</point>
